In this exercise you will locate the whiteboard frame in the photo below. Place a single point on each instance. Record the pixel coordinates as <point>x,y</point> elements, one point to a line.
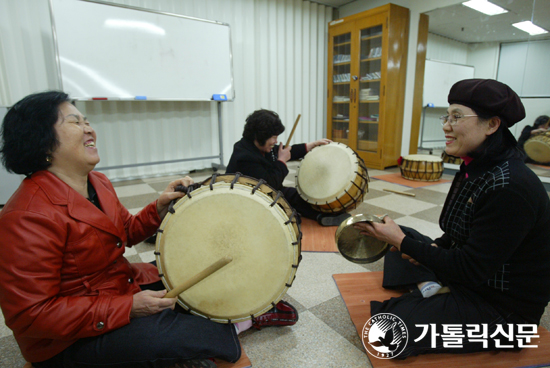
<point>58,61</point>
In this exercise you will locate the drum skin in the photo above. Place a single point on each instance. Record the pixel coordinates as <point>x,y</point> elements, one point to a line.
<point>226,219</point>
<point>332,178</point>
<point>538,148</point>
<point>421,167</point>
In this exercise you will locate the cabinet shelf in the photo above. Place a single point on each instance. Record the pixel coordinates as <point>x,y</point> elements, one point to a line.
<point>342,44</point>
<point>365,38</point>
<point>378,44</point>
<point>371,59</point>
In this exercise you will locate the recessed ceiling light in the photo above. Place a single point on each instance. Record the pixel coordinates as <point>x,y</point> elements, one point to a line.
<point>485,7</point>
<point>530,28</point>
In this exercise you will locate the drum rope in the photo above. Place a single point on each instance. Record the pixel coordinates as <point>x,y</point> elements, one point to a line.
<point>260,183</point>
<point>292,215</point>
<point>341,204</point>
<point>213,180</point>
<point>235,179</point>
<point>279,195</point>
<point>358,187</point>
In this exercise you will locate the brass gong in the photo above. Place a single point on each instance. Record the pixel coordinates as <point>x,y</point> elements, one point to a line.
<point>359,248</point>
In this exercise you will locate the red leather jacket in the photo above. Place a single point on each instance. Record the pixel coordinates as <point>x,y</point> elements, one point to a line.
<point>62,272</point>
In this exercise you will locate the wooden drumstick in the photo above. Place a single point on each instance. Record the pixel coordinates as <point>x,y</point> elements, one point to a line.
<point>293,129</point>
<point>198,277</point>
<point>398,192</point>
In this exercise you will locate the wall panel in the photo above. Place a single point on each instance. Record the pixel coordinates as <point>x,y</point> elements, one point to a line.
<point>279,63</point>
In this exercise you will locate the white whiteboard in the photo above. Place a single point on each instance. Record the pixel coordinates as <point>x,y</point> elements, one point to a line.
<point>118,52</point>
<point>439,77</point>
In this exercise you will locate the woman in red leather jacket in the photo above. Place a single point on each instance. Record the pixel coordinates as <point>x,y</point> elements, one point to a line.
<point>66,290</point>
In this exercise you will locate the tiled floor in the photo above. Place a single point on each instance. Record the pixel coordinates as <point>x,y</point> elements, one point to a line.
<point>324,335</point>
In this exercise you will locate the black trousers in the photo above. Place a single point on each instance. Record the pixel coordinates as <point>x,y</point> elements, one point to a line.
<point>461,306</point>
<point>155,341</point>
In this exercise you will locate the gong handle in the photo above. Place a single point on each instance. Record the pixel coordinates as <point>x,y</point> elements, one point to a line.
<point>198,277</point>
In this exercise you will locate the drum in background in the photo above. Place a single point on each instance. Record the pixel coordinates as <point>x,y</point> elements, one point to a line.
<point>451,159</point>
<point>538,148</point>
<point>421,167</point>
<point>332,178</point>
<point>230,216</point>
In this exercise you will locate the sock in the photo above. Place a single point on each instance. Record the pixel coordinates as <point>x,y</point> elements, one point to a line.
<point>428,288</point>
<point>242,326</point>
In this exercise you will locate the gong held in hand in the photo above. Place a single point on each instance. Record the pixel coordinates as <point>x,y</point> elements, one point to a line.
<point>356,247</point>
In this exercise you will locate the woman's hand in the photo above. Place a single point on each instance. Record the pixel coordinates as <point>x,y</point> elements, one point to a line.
<point>149,302</point>
<point>320,142</point>
<point>284,153</point>
<point>170,193</point>
<point>388,231</point>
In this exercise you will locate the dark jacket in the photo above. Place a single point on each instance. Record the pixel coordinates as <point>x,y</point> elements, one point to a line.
<point>250,161</point>
<point>496,243</point>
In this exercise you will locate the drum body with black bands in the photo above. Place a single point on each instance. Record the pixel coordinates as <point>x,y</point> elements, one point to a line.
<point>230,216</point>
<point>538,148</point>
<point>332,178</point>
<point>421,167</point>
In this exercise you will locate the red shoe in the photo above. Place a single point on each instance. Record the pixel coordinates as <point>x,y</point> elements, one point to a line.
<point>283,314</point>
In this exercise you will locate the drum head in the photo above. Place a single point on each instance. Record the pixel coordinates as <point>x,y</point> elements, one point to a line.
<point>326,172</point>
<point>359,248</point>
<point>427,158</point>
<point>220,222</point>
<point>538,149</point>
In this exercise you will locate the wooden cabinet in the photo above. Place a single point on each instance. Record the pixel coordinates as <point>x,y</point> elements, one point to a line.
<point>367,60</point>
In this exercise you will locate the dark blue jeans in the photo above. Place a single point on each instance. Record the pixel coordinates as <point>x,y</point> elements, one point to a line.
<point>155,341</point>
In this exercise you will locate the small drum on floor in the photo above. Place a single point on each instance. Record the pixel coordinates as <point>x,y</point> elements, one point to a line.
<point>450,159</point>
<point>230,216</point>
<point>332,178</point>
<point>421,167</point>
<point>538,148</point>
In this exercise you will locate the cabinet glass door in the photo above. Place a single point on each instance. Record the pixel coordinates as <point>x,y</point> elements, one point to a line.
<point>341,79</point>
<point>368,95</point>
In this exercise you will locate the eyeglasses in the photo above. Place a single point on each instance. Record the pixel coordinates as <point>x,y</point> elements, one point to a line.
<point>452,119</point>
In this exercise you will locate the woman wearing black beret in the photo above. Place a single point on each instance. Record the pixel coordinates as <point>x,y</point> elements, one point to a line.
<point>488,275</point>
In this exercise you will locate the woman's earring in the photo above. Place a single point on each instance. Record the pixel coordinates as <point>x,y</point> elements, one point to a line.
<point>49,158</point>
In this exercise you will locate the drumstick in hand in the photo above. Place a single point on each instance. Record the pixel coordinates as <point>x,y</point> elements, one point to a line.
<point>293,129</point>
<point>198,277</point>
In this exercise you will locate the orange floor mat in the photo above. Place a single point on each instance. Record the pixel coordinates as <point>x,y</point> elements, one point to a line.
<point>358,289</point>
<point>317,238</point>
<point>244,362</point>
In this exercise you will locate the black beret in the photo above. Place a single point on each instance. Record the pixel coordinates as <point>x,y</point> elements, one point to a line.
<point>488,97</point>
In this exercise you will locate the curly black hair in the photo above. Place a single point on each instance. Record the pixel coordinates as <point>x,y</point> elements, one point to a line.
<point>541,120</point>
<point>261,125</point>
<point>28,134</point>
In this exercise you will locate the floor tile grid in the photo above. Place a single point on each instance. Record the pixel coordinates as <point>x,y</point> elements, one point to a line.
<point>324,336</point>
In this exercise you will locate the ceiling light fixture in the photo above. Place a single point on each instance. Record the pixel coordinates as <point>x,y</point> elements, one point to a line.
<point>529,27</point>
<point>485,7</point>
